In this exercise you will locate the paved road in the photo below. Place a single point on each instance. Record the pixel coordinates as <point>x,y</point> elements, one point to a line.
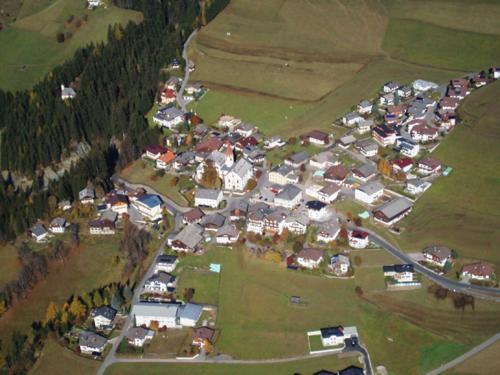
<point>464,357</point>
<point>110,358</point>
<point>180,99</point>
<point>473,290</point>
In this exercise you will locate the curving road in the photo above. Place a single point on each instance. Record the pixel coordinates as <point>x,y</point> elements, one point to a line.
<point>180,93</point>
<point>482,292</point>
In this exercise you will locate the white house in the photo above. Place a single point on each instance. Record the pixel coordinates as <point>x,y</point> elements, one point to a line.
<point>283,174</point>
<point>367,147</point>
<point>58,225</point>
<point>189,314</point>
<point>149,205</point>
<point>164,314</point>
<point>438,255</point>
<point>227,234</point>
<point>169,117</point>
<point>351,119</point>
<point>390,87</point>
<point>166,263</point>
<point>229,122</point>
<point>103,317</point>
<point>423,133</point>
<point>90,343</point>
<point>310,258</point>
<point>333,336</point>
<point>369,192</point>
<point>365,107</point>
<point>154,151</point>
<point>326,194</point>
<point>139,336</point>
<point>296,223</point>
<point>273,142</point>
<point>339,264</point>
<point>478,271</point>
<point>317,210</point>
<point>161,282</point>
<point>86,196</point>
<point>401,273</point>
<point>239,175</point>
<point>289,197</point>
<point>407,148</point>
<point>208,198</point>
<point>38,232</point>
<point>496,72</point>
<point>67,93</point>
<point>328,232</point>
<point>358,239</point>
<point>101,226</point>
<point>422,86</point>
<point>364,126</point>
<point>416,186</point>
<point>428,166</point>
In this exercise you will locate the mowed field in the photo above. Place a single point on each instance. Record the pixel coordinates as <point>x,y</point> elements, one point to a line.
<point>462,211</point>
<point>308,366</point>
<point>28,46</point>
<point>330,55</point>
<point>485,362</point>
<point>254,302</point>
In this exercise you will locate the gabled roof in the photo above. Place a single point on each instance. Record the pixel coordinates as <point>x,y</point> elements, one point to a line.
<point>441,252</point>
<point>105,311</point>
<point>150,200</point>
<point>289,193</point>
<point>92,340</point>
<point>190,311</point>
<point>298,157</point>
<point>212,194</point>
<point>371,187</point>
<point>203,333</point>
<point>310,253</point>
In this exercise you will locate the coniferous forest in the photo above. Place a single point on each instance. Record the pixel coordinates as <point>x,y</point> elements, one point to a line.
<point>116,87</point>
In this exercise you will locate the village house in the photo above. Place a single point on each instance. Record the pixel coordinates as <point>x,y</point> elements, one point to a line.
<point>403,164</point>
<point>438,255</point>
<point>365,107</point>
<point>227,234</point>
<point>193,216</point>
<point>352,370</point>
<point>149,206</point>
<point>310,258</point>
<point>397,111</point>
<point>64,205</point>
<point>273,142</point>
<point>297,159</point>
<point>194,88</point>
<point>165,160</point>
<point>118,203</point>
<point>168,96</point>
<point>339,264</point>
<point>448,104</point>
<point>86,196</point>
<point>154,151</point>
<point>188,239</point>
<point>183,161</point>
<point>351,119</point>
<point>283,174</point>
<point>228,122</point>
<point>367,148</point>
<point>327,193</point>
<point>416,186</point>
<point>316,137</point>
<point>203,335</point>
<point>428,166</point>
<point>166,263</point>
<point>422,86</point>
<point>246,143</point>
<point>324,160</point>
<point>423,133</point>
<point>67,93</point>
<point>369,192</point>
<point>407,148</point>
<point>169,117</point>
<point>478,271</point>
<point>401,273</point>
<point>364,126</point>
<point>173,83</point>
<point>239,175</point>
<point>91,343</point>
<point>213,221</point>
<point>317,210</point>
<point>38,232</point>
<point>57,225</point>
<point>390,87</point>
<point>384,135</point>
<point>139,336</point>
<point>255,220</point>
<point>393,211</point>
<point>189,314</point>
<point>208,146</point>
<point>387,99</point>
<point>365,172</point>
<point>336,174</point>
<point>101,226</point>
<point>164,314</point>
<point>336,336</point>
<point>358,239</point>
<point>161,282</point>
<point>274,221</point>
<point>296,223</point>
<point>346,141</point>
<point>103,317</point>
<point>289,197</point>
<point>208,198</point>
<point>328,232</point>
<point>246,130</point>
<point>404,92</point>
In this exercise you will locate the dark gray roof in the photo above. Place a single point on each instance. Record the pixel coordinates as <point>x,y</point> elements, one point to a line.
<point>395,207</point>
<point>207,194</point>
<point>289,192</point>
<point>92,340</point>
<point>137,333</point>
<point>190,311</point>
<point>371,187</point>
<point>106,311</point>
<point>38,230</point>
<point>298,157</point>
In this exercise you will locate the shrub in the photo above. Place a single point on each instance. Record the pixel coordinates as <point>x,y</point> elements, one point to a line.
<point>60,38</point>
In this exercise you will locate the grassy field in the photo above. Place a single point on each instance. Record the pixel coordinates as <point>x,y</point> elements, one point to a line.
<point>462,210</point>
<point>273,114</point>
<point>31,40</point>
<point>56,360</point>
<point>89,267</point>
<point>485,362</point>
<point>308,366</point>
<point>331,55</point>
<point>254,303</point>
<point>140,173</point>
<point>8,259</point>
